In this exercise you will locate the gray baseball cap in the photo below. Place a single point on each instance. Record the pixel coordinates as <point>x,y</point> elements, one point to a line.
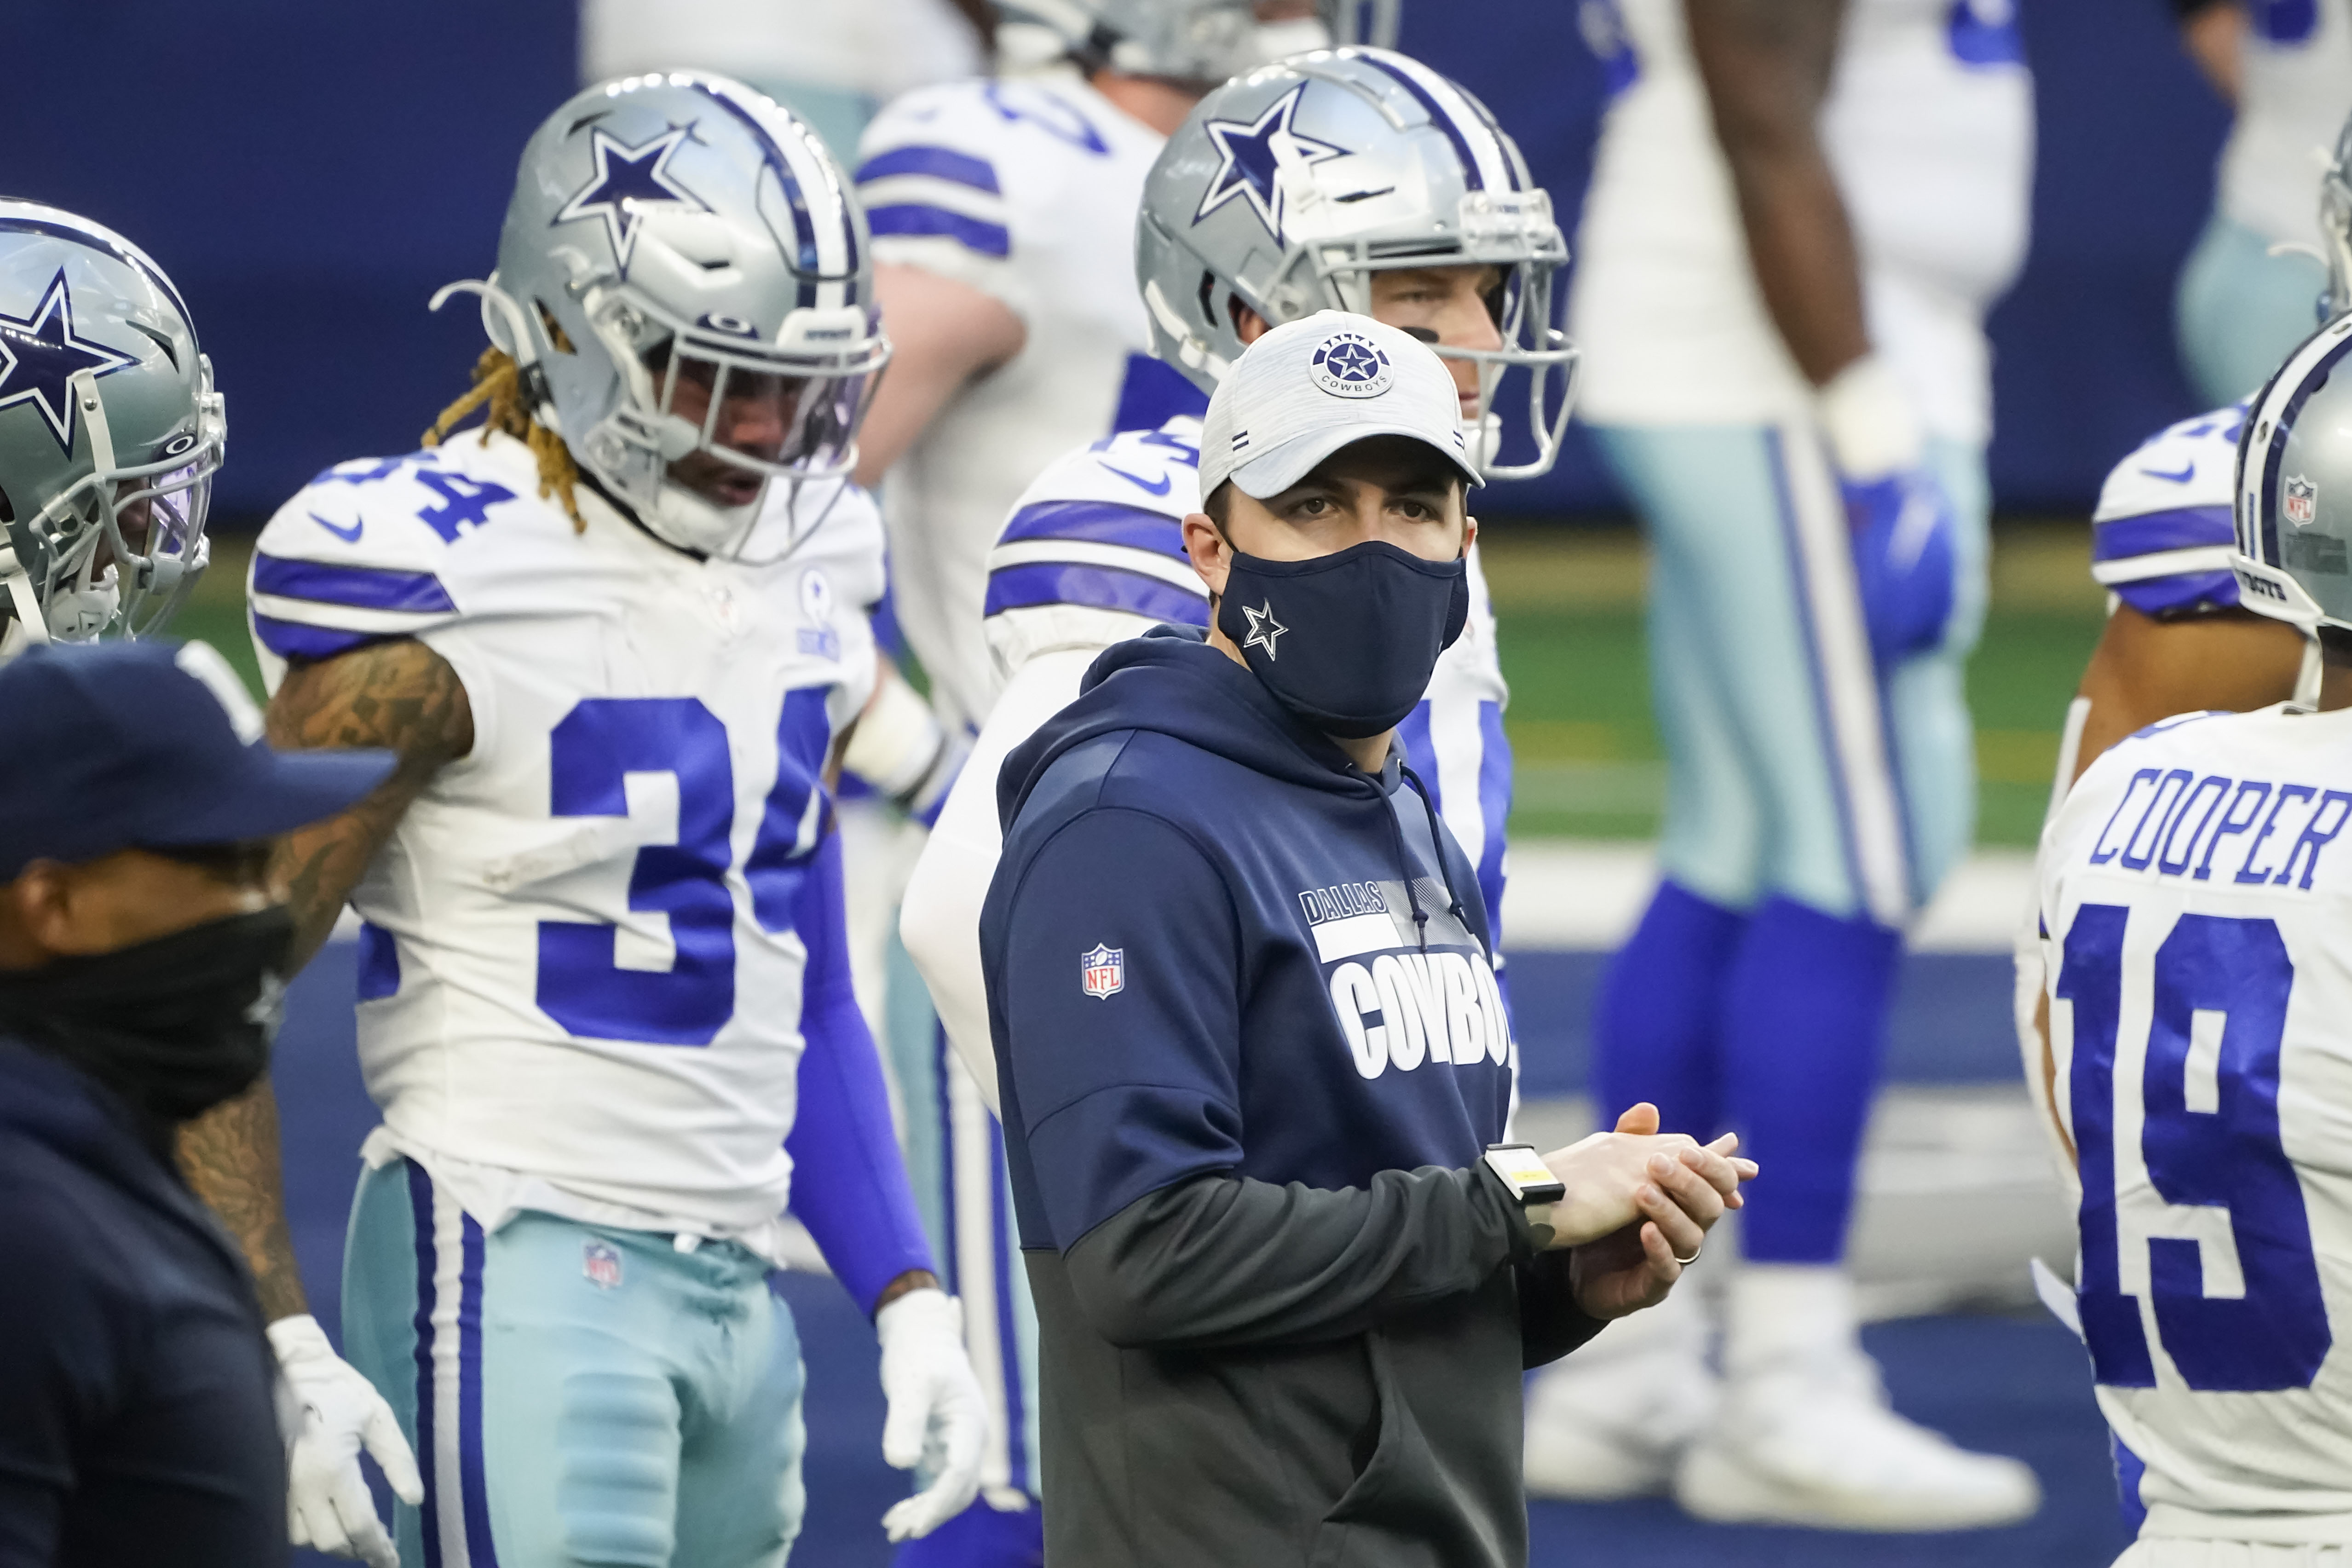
<point>1311,387</point>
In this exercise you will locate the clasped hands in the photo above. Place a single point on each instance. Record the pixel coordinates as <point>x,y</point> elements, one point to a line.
<point>1638,1207</point>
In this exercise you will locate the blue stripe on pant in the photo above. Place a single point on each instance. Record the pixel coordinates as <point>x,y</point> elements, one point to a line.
<point>1813,801</point>
<point>576,1394</point>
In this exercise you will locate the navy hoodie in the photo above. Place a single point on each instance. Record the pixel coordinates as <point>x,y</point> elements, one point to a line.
<point>1250,1050</point>
<point>137,1405</point>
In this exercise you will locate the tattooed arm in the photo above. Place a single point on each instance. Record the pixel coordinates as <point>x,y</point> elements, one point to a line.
<point>400,695</point>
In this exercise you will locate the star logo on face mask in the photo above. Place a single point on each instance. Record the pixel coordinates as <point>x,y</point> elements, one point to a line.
<point>1256,153</point>
<point>1262,627</point>
<point>627,181</point>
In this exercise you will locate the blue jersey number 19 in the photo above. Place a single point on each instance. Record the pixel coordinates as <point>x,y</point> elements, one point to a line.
<point>2216,997</point>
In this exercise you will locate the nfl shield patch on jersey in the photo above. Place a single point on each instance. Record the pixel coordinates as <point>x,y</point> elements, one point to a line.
<point>602,1265</point>
<point>1103,971</point>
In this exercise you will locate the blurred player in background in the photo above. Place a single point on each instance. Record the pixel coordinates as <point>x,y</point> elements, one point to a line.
<point>1800,213</point>
<point>109,433</point>
<point>832,62</point>
<point>1003,218</point>
<point>603,1002</point>
<point>2194,905</point>
<point>2287,67</point>
<point>1357,180</point>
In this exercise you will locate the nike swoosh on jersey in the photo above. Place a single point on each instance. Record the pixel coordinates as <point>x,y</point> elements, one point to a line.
<point>2187,473</point>
<point>348,536</point>
<point>1138,481</point>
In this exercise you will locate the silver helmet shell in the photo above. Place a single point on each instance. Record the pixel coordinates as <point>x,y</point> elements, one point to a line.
<point>1287,189</point>
<point>684,226</point>
<point>2336,226</point>
<point>111,431</point>
<point>1202,41</point>
<point>2294,506</point>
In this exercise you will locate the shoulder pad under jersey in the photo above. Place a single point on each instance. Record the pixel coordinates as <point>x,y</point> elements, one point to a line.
<point>2162,534</point>
<point>383,547</point>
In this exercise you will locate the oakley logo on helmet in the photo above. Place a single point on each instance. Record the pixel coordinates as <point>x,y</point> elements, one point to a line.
<point>39,354</point>
<point>628,180</point>
<point>719,323</point>
<point>2299,501</point>
<point>1255,155</point>
<point>1349,365</point>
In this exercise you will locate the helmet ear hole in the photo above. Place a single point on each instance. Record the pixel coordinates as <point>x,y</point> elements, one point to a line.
<point>7,511</point>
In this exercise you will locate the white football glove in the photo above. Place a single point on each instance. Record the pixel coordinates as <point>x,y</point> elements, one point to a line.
<point>328,1506</point>
<point>937,1415</point>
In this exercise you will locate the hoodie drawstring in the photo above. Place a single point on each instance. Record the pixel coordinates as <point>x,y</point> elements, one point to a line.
<point>1437,844</point>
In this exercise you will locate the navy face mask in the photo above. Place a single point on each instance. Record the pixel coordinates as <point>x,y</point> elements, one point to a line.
<point>1346,641</point>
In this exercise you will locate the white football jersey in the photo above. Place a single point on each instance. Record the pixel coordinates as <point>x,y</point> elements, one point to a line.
<point>1093,554</point>
<point>1930,126</point>
<point>578,966</point>
<point>1027,189</point>
<point>2196,920</point>
<point>2296,88</point>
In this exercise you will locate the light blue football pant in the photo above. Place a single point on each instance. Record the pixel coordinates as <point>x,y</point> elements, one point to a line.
<point>575,1395</point>
<point>1794,771</point>
<point>2240,311</point>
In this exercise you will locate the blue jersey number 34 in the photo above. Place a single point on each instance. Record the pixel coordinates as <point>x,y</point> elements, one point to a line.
<point>2215,998</point>
<point>591,754</point>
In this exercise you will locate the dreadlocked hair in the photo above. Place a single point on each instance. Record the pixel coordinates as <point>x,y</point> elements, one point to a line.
<point>498,383</point>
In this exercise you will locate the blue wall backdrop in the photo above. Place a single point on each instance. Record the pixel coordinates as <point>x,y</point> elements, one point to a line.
<point>311,173</point>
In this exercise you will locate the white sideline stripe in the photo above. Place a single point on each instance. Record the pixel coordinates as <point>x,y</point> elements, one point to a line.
<point>1354,936</point>
<point>1848,680</point>
<point>1572,896</point>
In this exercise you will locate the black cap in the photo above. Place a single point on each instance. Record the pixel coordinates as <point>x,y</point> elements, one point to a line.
<point>108,746</point>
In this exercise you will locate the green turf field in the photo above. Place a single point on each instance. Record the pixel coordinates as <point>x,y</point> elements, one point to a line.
<point>1569,601</point>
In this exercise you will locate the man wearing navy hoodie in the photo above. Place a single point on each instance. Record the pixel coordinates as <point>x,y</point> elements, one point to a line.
<point>143,955</point>
<point>1255,1068</point>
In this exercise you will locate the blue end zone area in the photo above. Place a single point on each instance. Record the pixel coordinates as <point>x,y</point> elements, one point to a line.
<point>2017,1386</point>
<point>1951,1021</point>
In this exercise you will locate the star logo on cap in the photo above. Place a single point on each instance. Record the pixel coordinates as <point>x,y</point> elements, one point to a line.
<point>1254,155</point>
<point>41,355</point>
<point>627,181</point>
<point>1349,365</point>
<point>1262,627</point>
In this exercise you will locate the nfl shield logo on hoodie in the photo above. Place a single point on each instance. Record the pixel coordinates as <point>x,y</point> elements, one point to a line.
<point>1103,972</point>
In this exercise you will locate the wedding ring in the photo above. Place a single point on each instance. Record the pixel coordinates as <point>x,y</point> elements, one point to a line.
<point>1686,1262</point>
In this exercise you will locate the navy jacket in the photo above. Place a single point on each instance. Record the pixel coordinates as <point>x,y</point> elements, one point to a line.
<point>1250,1050</point>
<point>137,1416</point>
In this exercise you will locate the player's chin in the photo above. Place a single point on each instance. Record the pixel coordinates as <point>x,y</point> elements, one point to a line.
<point>729,491</point>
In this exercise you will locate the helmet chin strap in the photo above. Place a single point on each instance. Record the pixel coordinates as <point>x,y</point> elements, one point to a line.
<point>2306,681</point>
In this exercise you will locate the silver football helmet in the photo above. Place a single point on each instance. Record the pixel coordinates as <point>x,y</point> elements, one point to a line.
<point>2336,226</point>
<point>1289,187</point>
<point>110,431</point>
<point>682,231</point>
<point>1202,41</point>
<point>2294,560</point>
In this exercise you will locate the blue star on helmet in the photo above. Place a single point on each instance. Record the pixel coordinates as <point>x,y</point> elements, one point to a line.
<point>1256,153</point>
<point>1262,627</point>
<point>40,355</point>
<point>627,181</point>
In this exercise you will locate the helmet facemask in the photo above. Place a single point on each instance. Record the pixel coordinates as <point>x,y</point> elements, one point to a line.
<point>1512,232</point>
<point>125,544</point>
<point>2335,228</point>
<point>688,391</point>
